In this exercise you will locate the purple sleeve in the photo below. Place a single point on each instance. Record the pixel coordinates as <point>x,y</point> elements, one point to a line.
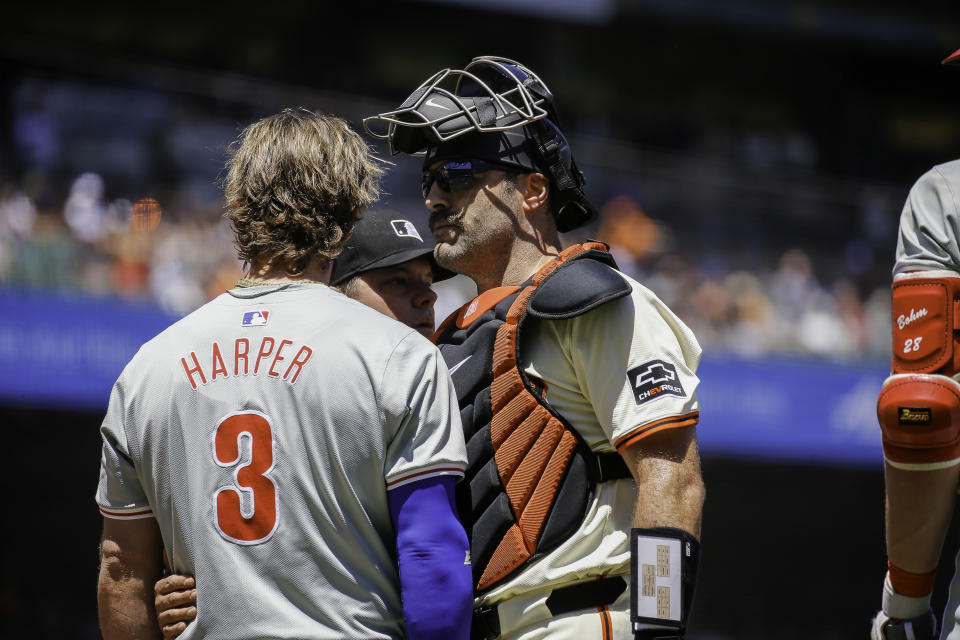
<point>436,578</point>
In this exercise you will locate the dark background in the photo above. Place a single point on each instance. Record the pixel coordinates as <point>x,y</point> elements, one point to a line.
<point>746,129</point>
<point>789,551</point>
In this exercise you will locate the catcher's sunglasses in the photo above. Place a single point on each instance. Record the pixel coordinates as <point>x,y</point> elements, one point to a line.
<point>457,175</point>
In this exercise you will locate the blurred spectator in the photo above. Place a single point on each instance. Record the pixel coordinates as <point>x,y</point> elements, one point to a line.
<point>17,217</point>
<point>631,235</point>
<point>85,211</point>
<point>754,332</point>
<point>44,259</point>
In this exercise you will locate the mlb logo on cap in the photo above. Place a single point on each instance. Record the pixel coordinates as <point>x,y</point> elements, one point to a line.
<point>405,229</point>
<point>255,318</point>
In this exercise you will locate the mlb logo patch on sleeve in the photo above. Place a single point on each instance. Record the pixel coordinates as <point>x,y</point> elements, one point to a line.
<point>654,379</point>
<point>255,318</point>
<point>405,229</point>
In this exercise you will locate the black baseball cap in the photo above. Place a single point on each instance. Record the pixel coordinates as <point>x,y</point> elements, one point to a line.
<point>383,239</point>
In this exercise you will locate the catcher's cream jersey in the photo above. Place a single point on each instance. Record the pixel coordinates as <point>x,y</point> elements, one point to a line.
<point>618,373</point>
<point>930,223</point>
<point>263,433</point>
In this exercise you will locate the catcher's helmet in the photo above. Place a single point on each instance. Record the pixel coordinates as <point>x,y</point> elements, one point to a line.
<point>496,110</point>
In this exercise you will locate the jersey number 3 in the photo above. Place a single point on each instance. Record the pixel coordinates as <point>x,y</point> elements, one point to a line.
<point>246,512</point>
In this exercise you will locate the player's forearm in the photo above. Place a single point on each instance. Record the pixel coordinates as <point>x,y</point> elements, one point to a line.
<point>125,601</point>
<point>130,564</point>
<point>670,490</point>
<point>670,495</point>
<point>919,507</point>
<point>670,498</point>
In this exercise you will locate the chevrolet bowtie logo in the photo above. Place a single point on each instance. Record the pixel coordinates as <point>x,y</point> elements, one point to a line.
<point>656,372</point>
<point>654,379</point>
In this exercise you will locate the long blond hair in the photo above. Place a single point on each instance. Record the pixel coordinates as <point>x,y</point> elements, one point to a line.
<point>296,182</point>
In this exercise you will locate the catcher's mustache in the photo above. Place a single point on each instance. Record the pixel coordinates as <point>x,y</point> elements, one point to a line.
<point>444,215</point>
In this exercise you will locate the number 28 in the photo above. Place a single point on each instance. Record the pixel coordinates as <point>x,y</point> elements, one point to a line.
<point>912,344</point>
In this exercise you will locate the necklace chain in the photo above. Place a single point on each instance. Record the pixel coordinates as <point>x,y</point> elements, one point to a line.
<point>250,282</point>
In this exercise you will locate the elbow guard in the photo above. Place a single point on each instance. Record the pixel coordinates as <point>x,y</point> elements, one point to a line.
<point>919,405</point>
<point>920,420</point>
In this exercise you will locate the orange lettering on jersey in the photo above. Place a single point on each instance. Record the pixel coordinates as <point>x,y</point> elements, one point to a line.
<point>278,358</point>
<point>298,361</point>
<point>266,354</point>
<point>196,369</point>
<point>240,354</point>
<point>258,522</point>
<point>219,369</point>
<point>266,348</point>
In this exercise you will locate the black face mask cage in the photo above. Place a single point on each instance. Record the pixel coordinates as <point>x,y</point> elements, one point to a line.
<point>454,102</point>
<point>490,95</point>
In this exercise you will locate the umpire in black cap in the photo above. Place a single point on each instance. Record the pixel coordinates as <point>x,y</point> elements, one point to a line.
<point>388,266</point>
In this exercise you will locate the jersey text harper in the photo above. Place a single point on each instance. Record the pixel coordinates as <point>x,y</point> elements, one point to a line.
<point>267,356</point>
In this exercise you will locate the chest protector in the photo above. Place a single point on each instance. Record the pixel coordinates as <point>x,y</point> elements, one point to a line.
<point>530,476</point>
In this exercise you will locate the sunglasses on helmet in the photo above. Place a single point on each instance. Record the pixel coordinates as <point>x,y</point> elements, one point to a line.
<point>457,175</point>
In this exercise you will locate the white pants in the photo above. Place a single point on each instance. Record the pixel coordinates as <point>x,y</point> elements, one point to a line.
<point>527,617</point>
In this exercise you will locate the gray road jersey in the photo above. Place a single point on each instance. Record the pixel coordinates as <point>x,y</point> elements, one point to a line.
<point>930,222</point>
<point>263,432</point>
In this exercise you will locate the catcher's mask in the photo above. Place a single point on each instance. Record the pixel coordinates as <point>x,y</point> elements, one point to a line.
<point>497,110</point>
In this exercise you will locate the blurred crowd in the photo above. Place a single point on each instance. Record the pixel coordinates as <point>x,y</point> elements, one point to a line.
<point>782,308</point>
<point>178,260</point>
<point>130,250</point>
<point>112,190</point>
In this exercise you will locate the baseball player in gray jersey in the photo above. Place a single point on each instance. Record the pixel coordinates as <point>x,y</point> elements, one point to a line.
<point>577,386</point>
<point>919,408</point>
<point>284,443</point>
<point>388,265</point>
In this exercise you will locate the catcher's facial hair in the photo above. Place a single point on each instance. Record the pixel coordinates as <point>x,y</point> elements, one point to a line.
<point>447,217</point>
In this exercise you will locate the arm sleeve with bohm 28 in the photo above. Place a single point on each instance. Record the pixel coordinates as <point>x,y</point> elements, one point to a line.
<point>919,405</point>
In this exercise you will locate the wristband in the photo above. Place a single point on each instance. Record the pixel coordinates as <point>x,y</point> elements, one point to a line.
<point>901,607</point>
<point>915,585</point>
<point>663,567</point>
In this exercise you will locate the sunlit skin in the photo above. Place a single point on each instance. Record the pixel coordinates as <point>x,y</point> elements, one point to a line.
<point>401,292</point>
<point>317,270</point>
<point>495,231</point>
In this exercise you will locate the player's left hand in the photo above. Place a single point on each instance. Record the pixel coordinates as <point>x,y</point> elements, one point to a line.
<point>175,599</point>
<point>922,627</point>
